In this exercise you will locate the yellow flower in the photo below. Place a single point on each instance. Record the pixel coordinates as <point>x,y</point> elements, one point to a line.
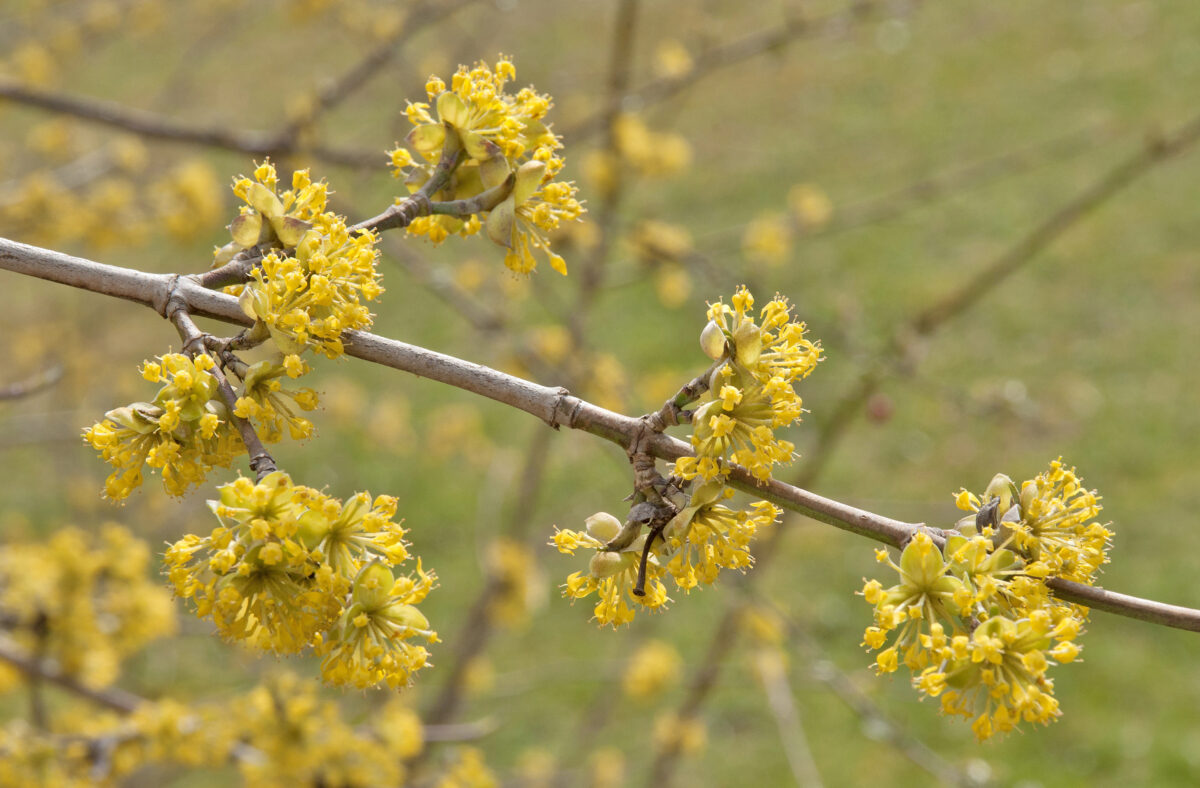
<point>653,668</point>
<point>612,575</point>
<point>507,146</point>
<point>84,601</point>
<point>180,433</point>
<point>751,393</point>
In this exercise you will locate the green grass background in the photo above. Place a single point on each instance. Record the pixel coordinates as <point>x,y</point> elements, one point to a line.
<point>1089,352</point>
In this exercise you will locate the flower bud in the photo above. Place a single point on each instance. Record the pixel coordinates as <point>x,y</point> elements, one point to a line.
<point>373,586</point>
<point>603,526</point>
<point>606,564</point>
<point>712,341</point>
<point>1029,492</point>
<point>405,615</point>
<point>1003,488</point>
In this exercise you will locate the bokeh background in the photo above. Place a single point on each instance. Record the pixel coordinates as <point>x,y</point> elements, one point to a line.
<point>864,159</point>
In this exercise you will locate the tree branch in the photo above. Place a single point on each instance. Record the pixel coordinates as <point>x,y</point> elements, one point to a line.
<point>555,406</point>
<point>727,54</point>
<point>111,697</point>
<point>150,125</point>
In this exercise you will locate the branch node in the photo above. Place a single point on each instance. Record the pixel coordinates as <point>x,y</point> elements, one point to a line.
<point>566,405</point>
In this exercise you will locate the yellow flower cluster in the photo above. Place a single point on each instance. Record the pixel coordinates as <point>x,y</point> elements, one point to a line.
<point>311,289</point>
<point>299,738</point>
<point>83,601</point>
<point>280,733</point>
<point>653,668</point>
<point>751,391</point>
<point>974,621</point>
<point>114,206</point>
<point>509,152</point>
<point>468,770</point>
<point>291,568</point>
<point>183,433</point>
<point>188,200</point>
<point>701,540</point>
<point>186,431</point>
<point>707,536</point>
<point>612,575</point>
<point>637,149</point>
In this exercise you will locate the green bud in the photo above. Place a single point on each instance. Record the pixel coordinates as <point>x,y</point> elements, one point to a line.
<point>373,586</point>
<point>290,230</point>
<point>427,138</point>
<point>921,564</point>
<point>246,229</point>
<point>452,110</point>
<point>405,616</point>
<point>479,147</point>
<point>529,180</point>
<point>141,417</point>
<point>712,341</point>
<point>226,253</point>
<point>264,201</point>
<point>493,171</point>
<point>605,564</point>
<point>709,492</point>
<point>965,525</point>
<point>603,526</point>
<point>501,221</point>
<point>1028,495</point>
<point>1003,488</point>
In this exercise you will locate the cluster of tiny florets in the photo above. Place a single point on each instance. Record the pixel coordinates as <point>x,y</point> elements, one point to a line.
<point>509,150</point>
<point>974,620</point>
<point>290,568</point>
<point>186,430</point>
<point>280,733</point>
<point>751,392</point>
<point>612,574</point>
<point>311,286</point>
<point>702,539</point>
<point>83,602</point>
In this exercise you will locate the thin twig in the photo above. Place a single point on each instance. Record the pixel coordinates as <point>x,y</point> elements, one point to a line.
<point>110,698</point>
<point>36,382</point>
<point>396,216</point>
<point>719,57</point>
<point>261,461</point>
<point>782,704</point>
<point>152,126</point>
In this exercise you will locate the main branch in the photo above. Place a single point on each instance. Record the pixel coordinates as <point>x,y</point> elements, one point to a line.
<point>555,406</point>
